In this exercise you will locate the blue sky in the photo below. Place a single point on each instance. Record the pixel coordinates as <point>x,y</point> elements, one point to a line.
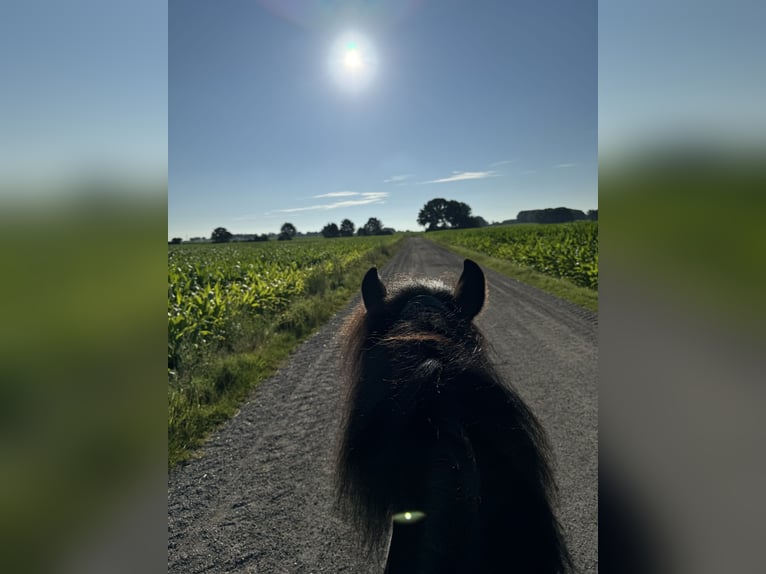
<point>317,111</point>
<point>680,72</point>
<point>84,94</point>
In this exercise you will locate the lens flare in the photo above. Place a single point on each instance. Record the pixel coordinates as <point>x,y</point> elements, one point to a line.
<point>409,517</point>
<point>352,62</point>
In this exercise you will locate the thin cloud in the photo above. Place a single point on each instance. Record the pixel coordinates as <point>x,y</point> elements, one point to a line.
<point>365,199</point>
<point>462,176</point>
<point>336,194</point>
<point>564,165</point>
<point>499,163</point>
<point>368,198</point>
<point>297,209</point>
<point>397,178</point>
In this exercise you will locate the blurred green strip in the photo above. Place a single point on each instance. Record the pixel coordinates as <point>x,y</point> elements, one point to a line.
<point>82,355</point>
<point>694,229</point>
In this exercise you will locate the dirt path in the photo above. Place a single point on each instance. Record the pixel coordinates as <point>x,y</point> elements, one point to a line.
<point>260,499</point>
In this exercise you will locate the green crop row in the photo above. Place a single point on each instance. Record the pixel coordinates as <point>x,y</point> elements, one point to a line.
<point>214,287</point>
<point>236,310</point>
<point>568,250</point>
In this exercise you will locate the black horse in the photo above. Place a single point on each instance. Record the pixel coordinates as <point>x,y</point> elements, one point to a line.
<point>439,460</point>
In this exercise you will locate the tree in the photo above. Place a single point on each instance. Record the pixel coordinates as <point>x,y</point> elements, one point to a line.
<point>220,235</point>
<point>373,226</point>
<point>478,221</point>
<point>458,214</point>
<point>287,232</point>
<point>440,213</point>
<point>347,228</point>
<point>331,230</point>
<point>432,216</point>
<point>175,241</point>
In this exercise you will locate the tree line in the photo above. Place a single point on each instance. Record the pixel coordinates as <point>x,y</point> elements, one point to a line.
<point>437,214</point>
<point>373,227</point>
<point>288,231</point>
<point>556,215</point>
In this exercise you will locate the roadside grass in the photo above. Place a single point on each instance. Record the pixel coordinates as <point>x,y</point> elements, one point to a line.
<point>216,383</point>
<point>561,288</point>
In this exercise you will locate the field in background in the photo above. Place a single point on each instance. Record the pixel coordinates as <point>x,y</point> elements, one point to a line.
<point>559,258</point>
<point>235,310</point>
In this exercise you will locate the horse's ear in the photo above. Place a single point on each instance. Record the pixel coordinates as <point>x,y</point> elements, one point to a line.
<point>373,290</point>
<point>470,291</point>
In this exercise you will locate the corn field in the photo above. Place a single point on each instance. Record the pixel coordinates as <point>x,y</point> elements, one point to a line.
<point>211,287</point>
<point>567,250</point>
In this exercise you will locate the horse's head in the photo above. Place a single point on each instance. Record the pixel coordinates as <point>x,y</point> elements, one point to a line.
<point>424,306</point>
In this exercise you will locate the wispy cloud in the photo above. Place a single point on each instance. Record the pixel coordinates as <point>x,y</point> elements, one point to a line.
<point>463,175</point>
<point>336,194</point>
<point>564,165</point>
<point>499,163</point>
<point>397,178</point>
<point>363,199</point>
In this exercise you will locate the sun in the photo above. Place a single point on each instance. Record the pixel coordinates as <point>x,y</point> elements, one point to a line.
<point>353,62</point>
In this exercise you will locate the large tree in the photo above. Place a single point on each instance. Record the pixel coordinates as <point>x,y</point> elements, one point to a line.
<point>440,213</point>
<point>432,216</point>
<point>458,214</point>
<point>220,235</point>
<point>347,228</point>
<point>287,231</point>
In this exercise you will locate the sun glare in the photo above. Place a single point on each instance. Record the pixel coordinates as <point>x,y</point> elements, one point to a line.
<point>352,62</point>
<point>353,59</point>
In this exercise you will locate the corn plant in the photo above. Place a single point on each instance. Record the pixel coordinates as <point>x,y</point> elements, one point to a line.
<point>212,286</point>
<point>568,250</point>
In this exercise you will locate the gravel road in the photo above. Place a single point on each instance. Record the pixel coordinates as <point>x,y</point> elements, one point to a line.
<point>260,499</point>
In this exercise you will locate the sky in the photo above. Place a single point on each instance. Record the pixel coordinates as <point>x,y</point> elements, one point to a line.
<point>680,73</point>
<point>313,112</point>
<point>84,96</point>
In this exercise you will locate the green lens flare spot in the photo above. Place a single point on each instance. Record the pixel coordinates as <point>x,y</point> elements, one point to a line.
<point>409,517</point>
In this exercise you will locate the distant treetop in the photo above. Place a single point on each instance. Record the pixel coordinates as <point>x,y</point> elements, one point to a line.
<point>220,235</point>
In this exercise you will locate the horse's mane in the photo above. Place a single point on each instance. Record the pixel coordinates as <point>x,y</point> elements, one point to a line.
<point>400,366</point>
